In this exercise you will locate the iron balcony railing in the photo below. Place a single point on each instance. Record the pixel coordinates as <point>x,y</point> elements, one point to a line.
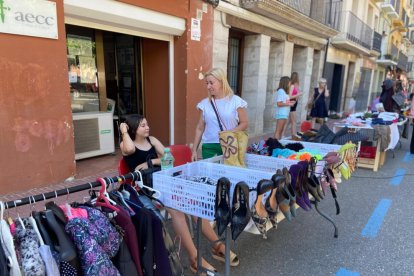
<point>391,54</point>
<point>356,30</point>
<point>394,52</point>
<point>409,66</point>
<point>376,42</point>
<point>326,12</point>
<point>402,61</point>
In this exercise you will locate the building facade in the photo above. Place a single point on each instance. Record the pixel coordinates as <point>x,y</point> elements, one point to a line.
<point>99,57</point>
<point>261,41</point>
<point>63,92</point>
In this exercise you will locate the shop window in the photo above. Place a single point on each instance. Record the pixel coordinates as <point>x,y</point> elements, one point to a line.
<point>82,69</point>
<point>234,67</point>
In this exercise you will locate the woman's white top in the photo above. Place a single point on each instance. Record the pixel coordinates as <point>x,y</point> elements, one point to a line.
<point>281,111</point>
<point>227,110</point>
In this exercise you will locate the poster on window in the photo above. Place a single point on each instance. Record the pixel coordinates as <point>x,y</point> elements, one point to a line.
<point>87,69</point>
<point>72,69</point>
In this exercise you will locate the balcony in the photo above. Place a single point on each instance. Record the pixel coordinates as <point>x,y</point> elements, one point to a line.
<point>389,57</point>
<point>409,66</point>
<point>402,61</point>
<point>355,35</point>
<point>309,16</point>
<point>391,8</point>
<point>376,44</point>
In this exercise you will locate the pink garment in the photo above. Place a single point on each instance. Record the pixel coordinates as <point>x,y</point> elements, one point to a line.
<point>71,213</point>
<point>294,91</point>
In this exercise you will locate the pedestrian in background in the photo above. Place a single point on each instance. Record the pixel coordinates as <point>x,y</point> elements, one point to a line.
<point>294,95</point>
<point>283,104</point>
<point>319,109</point>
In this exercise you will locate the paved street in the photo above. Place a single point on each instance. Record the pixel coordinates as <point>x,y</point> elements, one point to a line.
<point>376,227</point>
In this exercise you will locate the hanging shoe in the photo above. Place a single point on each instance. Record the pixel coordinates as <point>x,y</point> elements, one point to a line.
<point>262,187</point>
<point>240,211</point>
<point>222,205</point>
<point>283,201</point>
<point>295,172</point>
<point>302,182</point>
<point>290,191</point>
<point>271,199</point>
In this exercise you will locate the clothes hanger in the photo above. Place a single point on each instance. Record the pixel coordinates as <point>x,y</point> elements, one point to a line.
<point>32,220</point>
<point>103,198</point>
<point>18,216</point>
<point>140,184</point>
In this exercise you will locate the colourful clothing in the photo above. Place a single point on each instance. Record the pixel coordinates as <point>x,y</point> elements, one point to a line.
<point>282,112</point>
<point>97,242</point>
<point>227,110</point>
<point>294,93</point>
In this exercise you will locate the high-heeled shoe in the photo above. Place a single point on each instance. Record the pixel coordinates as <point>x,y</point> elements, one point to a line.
<point>302,182</point>
<point>283,200</point>
<point>271,199</point>
<point>290,190</point>
<point>263,186</point>
<point>296,173</point>
<point>222,205</point>
<point>240,211</point>
<point>314,180</point>
<point>312,188</point>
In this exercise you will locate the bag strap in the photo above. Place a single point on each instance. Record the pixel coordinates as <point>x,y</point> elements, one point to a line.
<point>317,97</point>
<point>218,119</point>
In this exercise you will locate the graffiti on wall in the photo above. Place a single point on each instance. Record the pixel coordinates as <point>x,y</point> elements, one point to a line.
<point>54,132</point>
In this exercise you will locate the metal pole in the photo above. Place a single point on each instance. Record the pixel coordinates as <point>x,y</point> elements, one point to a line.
<point>227,253</point>
<point>199,226</point>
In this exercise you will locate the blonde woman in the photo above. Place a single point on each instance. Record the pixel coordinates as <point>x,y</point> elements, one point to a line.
<point>231,110</point>
<point>319,109</point>
<point>283,104</point>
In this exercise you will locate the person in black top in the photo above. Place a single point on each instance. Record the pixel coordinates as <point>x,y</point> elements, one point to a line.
<point>137,146</point>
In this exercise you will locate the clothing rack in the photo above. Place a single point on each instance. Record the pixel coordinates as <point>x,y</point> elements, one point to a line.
<point>78,188</point>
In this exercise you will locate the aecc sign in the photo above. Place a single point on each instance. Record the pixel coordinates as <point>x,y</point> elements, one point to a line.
<point>29,17</point>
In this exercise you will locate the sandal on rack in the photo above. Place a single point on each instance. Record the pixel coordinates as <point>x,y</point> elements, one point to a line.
<point>260,221</point>
<point>204,264</point>
<point>218,253</point>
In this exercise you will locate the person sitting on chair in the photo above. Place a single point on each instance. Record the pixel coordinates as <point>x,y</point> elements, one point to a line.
<point>136,146</point>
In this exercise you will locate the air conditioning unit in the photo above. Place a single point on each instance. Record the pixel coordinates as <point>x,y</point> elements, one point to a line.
<point>94,134</point>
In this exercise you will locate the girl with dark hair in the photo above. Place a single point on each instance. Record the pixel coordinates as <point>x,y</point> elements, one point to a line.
<point>283,105</point>
<point>137,146</point>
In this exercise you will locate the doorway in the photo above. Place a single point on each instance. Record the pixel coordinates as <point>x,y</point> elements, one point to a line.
<point>335,77</point>
<point>123,72</point>
<point>137,78</point>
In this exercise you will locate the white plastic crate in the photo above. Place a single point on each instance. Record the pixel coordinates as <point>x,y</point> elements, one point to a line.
<point>195,198</point>
<point>322,148</point>
<point>259,162</point>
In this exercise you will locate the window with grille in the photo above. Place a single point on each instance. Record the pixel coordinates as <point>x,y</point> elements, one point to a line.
<point>234,65</point>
